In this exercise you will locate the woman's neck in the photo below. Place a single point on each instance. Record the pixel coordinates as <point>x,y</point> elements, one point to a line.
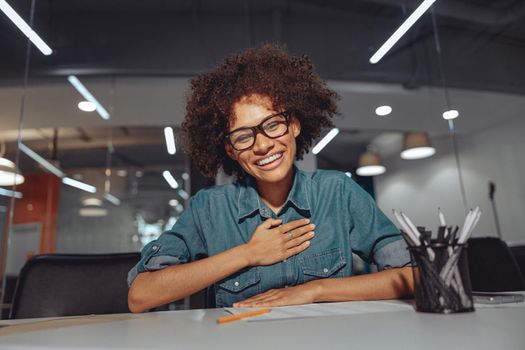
<point>274,194</point>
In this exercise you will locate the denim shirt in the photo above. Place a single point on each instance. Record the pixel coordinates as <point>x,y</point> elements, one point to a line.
<point>222,217</point>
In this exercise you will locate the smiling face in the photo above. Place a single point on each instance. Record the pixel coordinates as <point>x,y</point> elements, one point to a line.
<point>268,160</point>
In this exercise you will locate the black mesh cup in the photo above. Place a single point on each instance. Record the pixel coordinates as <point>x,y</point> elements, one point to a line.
<point>441,283</point>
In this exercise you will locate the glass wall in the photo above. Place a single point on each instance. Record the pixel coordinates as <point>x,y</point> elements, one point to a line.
<point>94,181</point>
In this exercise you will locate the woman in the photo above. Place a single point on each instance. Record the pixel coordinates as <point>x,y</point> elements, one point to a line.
<point>277,236</point>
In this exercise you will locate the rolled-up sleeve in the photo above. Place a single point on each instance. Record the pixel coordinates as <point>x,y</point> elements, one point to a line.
<point>182,244</point>
<point>373,236</point>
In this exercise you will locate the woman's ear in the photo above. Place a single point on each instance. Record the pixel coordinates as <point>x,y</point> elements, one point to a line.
<point>230,151</point>
<point>295,124</point>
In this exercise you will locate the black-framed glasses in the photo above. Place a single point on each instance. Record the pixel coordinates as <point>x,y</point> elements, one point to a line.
<point>273,126</point>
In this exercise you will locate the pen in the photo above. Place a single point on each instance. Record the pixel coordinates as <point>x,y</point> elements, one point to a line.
<point>243,315</point>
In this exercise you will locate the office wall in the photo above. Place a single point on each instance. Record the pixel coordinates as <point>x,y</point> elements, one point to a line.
<point>495,153</point>
<point>91,235</point>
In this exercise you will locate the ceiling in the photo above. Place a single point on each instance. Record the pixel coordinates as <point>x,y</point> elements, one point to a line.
<point>150,48</point>
<point>482,41</point>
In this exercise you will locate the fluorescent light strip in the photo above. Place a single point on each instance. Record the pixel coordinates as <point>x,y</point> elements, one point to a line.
<point>184,194</point>
<point>87,95</point>
<point>170,140</point>
<point>112,199</point>
<point>37,158</point>
<point>80,185</point>
<point>328,137</point>
<point>25,28</point>
<point>170,179</point>
<point>8,193</point>
<point>425,5</point>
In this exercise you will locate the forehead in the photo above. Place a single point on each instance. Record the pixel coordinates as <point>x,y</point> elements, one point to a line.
<point>250,110</point>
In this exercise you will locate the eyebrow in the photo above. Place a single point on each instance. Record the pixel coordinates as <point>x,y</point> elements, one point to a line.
<point>262,121</point>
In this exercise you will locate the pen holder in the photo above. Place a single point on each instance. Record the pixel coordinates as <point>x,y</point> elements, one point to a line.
<point>441,278</point>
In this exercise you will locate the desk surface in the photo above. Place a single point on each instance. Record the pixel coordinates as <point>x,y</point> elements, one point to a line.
<point>398,326</point>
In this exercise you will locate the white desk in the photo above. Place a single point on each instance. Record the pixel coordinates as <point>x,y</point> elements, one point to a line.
<point>397,327</point>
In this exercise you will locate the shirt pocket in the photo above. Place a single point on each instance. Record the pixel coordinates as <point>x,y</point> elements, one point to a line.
<point>238,287</point>
<point>328,263</point>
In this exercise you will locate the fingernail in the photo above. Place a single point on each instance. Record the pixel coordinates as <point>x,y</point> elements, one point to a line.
<point>307,242</point>
<point>313,225</point>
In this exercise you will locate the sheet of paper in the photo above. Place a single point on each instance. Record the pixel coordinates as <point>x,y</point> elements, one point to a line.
<point>324,309</point>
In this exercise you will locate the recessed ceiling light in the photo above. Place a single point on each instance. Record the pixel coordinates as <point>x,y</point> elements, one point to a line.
<point>383,110</point>
<point>185,176</point>
<point>450,114</point>
<point>122,173</point>
<point>95,202</point>
<point>93,212</point>
<point>418,12</point>
<point>87,106</point>
<point>170,179</point>
<point>325,140</point>
<point>25,28</point>
<point>173,202</point>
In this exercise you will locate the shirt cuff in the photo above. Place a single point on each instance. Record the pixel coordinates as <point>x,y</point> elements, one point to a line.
<point>154,264</point>
<point>394,254</point>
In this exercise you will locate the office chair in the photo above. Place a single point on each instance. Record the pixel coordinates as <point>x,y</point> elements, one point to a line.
<point>67,285</point>
<point>492,266</point>
<point>519,255</point>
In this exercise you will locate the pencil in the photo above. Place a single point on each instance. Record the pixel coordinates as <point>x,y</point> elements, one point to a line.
<point>243,315</point>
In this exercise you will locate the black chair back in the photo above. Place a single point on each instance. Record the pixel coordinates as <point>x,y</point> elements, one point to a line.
<point>492,266</point>
<point>68,285</point>
<point>519,254</point>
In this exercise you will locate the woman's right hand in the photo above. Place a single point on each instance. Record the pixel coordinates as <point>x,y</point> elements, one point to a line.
<point>272,242</point>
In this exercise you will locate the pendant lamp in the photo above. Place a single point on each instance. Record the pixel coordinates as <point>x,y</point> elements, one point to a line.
<point>416,145</point>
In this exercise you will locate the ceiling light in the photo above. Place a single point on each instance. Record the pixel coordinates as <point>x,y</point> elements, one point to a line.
<point>25,28</point>
<point>112,199</point>
<point>8,193</point>
<point>401,31</point>
<point>80,185</point>
<point>184,194</point>
<point>185,176</point>
<point>95,202</point>
<point>139,173</point>
<point>9,175</point>
<point>328,137</point>
<point>93,212</point>
<point>88,96</point>
<point>173,202</point>
<point>87,106</point>
<point>370,164</point>
<point>122,173</point>
<point>383,110</point>
<point>450,114</point>
<point>170,179</point>
<point>170,140</point>
<point>36,157</point>
<point>416,145</point>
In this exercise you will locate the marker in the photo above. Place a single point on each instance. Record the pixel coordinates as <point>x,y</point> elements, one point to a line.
<point>231,318</point>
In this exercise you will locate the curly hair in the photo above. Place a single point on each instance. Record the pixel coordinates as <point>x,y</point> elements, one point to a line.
<point>289,81</point>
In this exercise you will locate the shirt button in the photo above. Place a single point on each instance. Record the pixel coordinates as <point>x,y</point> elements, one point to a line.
<point>155,247</point>
<point>285,260</point>
<point>325,270</point>
<point>236,284</point>
<point>286,286</point>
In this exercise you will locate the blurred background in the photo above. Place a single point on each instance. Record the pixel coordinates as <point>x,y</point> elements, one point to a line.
<point>109,180</point>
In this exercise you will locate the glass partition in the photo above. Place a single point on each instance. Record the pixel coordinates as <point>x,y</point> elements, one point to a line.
<point>95,179</point>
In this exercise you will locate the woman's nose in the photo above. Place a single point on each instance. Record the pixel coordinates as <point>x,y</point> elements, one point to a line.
<point>262,144</point>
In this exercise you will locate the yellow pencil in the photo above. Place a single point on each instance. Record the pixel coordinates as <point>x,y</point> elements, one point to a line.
<point>243,315</point>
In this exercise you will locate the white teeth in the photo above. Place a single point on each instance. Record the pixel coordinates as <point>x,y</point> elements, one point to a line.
<point>269,159</point>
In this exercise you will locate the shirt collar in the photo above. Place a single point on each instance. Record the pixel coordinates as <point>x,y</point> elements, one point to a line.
<point>249,201</point>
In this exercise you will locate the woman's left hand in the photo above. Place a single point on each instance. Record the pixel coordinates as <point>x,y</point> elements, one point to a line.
<point>302,294</point>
